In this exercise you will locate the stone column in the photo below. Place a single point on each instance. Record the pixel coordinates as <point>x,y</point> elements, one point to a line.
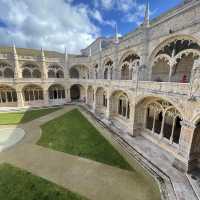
<point>44,66</point>
<point>108,108</point>
<point>184,162</point>
<point>20,100</point>
<point>86,96</point>
<point>94,102</point>
<point>170,71</point>
<point>154,121</point>
<point>162,125</point>
<point>46,97</point>
<point>18,72</point>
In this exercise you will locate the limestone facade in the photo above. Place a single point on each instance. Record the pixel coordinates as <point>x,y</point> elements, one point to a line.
<point>146,82</point>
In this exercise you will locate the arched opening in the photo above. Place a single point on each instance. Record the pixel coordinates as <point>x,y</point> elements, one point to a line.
<point>8,96</point>
<point>128,61</point>
<point>124,107</point>
<point>182,70</point>
<point>160,71</point>
<point>31,71</point>
<point>173,60</point>
<point>125,73</point>
<point>26,73</point>
<point>36,74</point>
<point>59,74</point>
<point>55,71</point>
<point>56,94</point>
<point>108,65</point>
<point>79,72</point>
<point>159,118</point>
<point>33,95</point>
<point>8,73</point>
<point>120,110</point>
<point>51,74</point>
<point>77,93</point>
<point>74,73</point>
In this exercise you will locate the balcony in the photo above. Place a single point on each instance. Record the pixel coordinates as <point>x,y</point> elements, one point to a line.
<point>171,88</point>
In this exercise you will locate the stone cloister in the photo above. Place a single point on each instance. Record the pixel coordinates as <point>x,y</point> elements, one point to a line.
<point>145,83</point>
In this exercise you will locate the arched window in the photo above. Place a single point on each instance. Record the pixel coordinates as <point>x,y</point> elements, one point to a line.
<point>7,95</point>
<point>36,73</point>
<point>74,73</point>
<point>55,71</point>
<point>164,119</point>
<point>33,93</point>
<point>124,107</point>
<point>31,71</point>
<point>26,73</point>
<point>177,54</point>
<point>125,75</point>
<point>8,73</point>
<point>56,92</point>
<point>51,74</point>
<point>59,74</point>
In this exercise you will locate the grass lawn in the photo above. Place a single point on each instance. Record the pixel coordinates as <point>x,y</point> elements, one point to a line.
<point>23,117</point>
<point>72,133</point>
<point>16,184</point>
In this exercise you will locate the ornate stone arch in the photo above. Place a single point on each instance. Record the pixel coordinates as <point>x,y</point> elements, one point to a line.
<point>126,54</point>
<point>179,53</point>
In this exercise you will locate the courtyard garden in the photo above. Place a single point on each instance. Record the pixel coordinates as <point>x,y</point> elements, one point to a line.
<point>23,117</point>
<point>16,184</point>
<point>72,133</point>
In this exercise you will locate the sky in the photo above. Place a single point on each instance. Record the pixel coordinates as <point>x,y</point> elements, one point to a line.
<point>71,24</point>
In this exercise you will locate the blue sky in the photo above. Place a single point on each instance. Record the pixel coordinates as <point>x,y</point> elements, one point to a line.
<point>73,24</point>
<point>117,14</point>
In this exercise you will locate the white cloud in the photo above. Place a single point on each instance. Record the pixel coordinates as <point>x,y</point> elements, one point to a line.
<point>47,23</point>
<point>132,10</point>
<point>95,14</point>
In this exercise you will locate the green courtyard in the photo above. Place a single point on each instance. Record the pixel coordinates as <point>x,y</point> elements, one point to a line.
<point>16,184</point>
<point>69,132</point>
<point>24,117</point>
<point>72,133</point>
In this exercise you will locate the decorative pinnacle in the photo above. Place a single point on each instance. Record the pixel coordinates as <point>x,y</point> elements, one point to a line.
<point>116,34</point>
<point>147,14</point>
<point>42,54</point>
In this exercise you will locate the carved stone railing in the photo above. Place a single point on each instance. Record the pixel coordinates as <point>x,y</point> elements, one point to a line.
<point>148,86</point>
<point>165,87</point>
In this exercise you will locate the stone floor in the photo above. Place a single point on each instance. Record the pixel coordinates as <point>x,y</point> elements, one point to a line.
<point>88,178</point>
<point>153,154</point>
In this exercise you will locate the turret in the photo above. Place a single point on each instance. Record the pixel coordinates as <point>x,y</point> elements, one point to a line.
<point>147,17</point>
<point>116,35</point>
<point>42,55</point>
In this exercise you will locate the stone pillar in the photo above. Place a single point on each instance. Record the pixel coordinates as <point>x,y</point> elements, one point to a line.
<point>20,99</point>
<point>46,97</point>
<point>86,96</point>
<point>44,66</point>
<point>94,102</point>
<point>67,95</point>
<point>162,125</point>
<point>18,72</point>
<point>184,162</point>
<point>116,64</point>
<point>108,108</point>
